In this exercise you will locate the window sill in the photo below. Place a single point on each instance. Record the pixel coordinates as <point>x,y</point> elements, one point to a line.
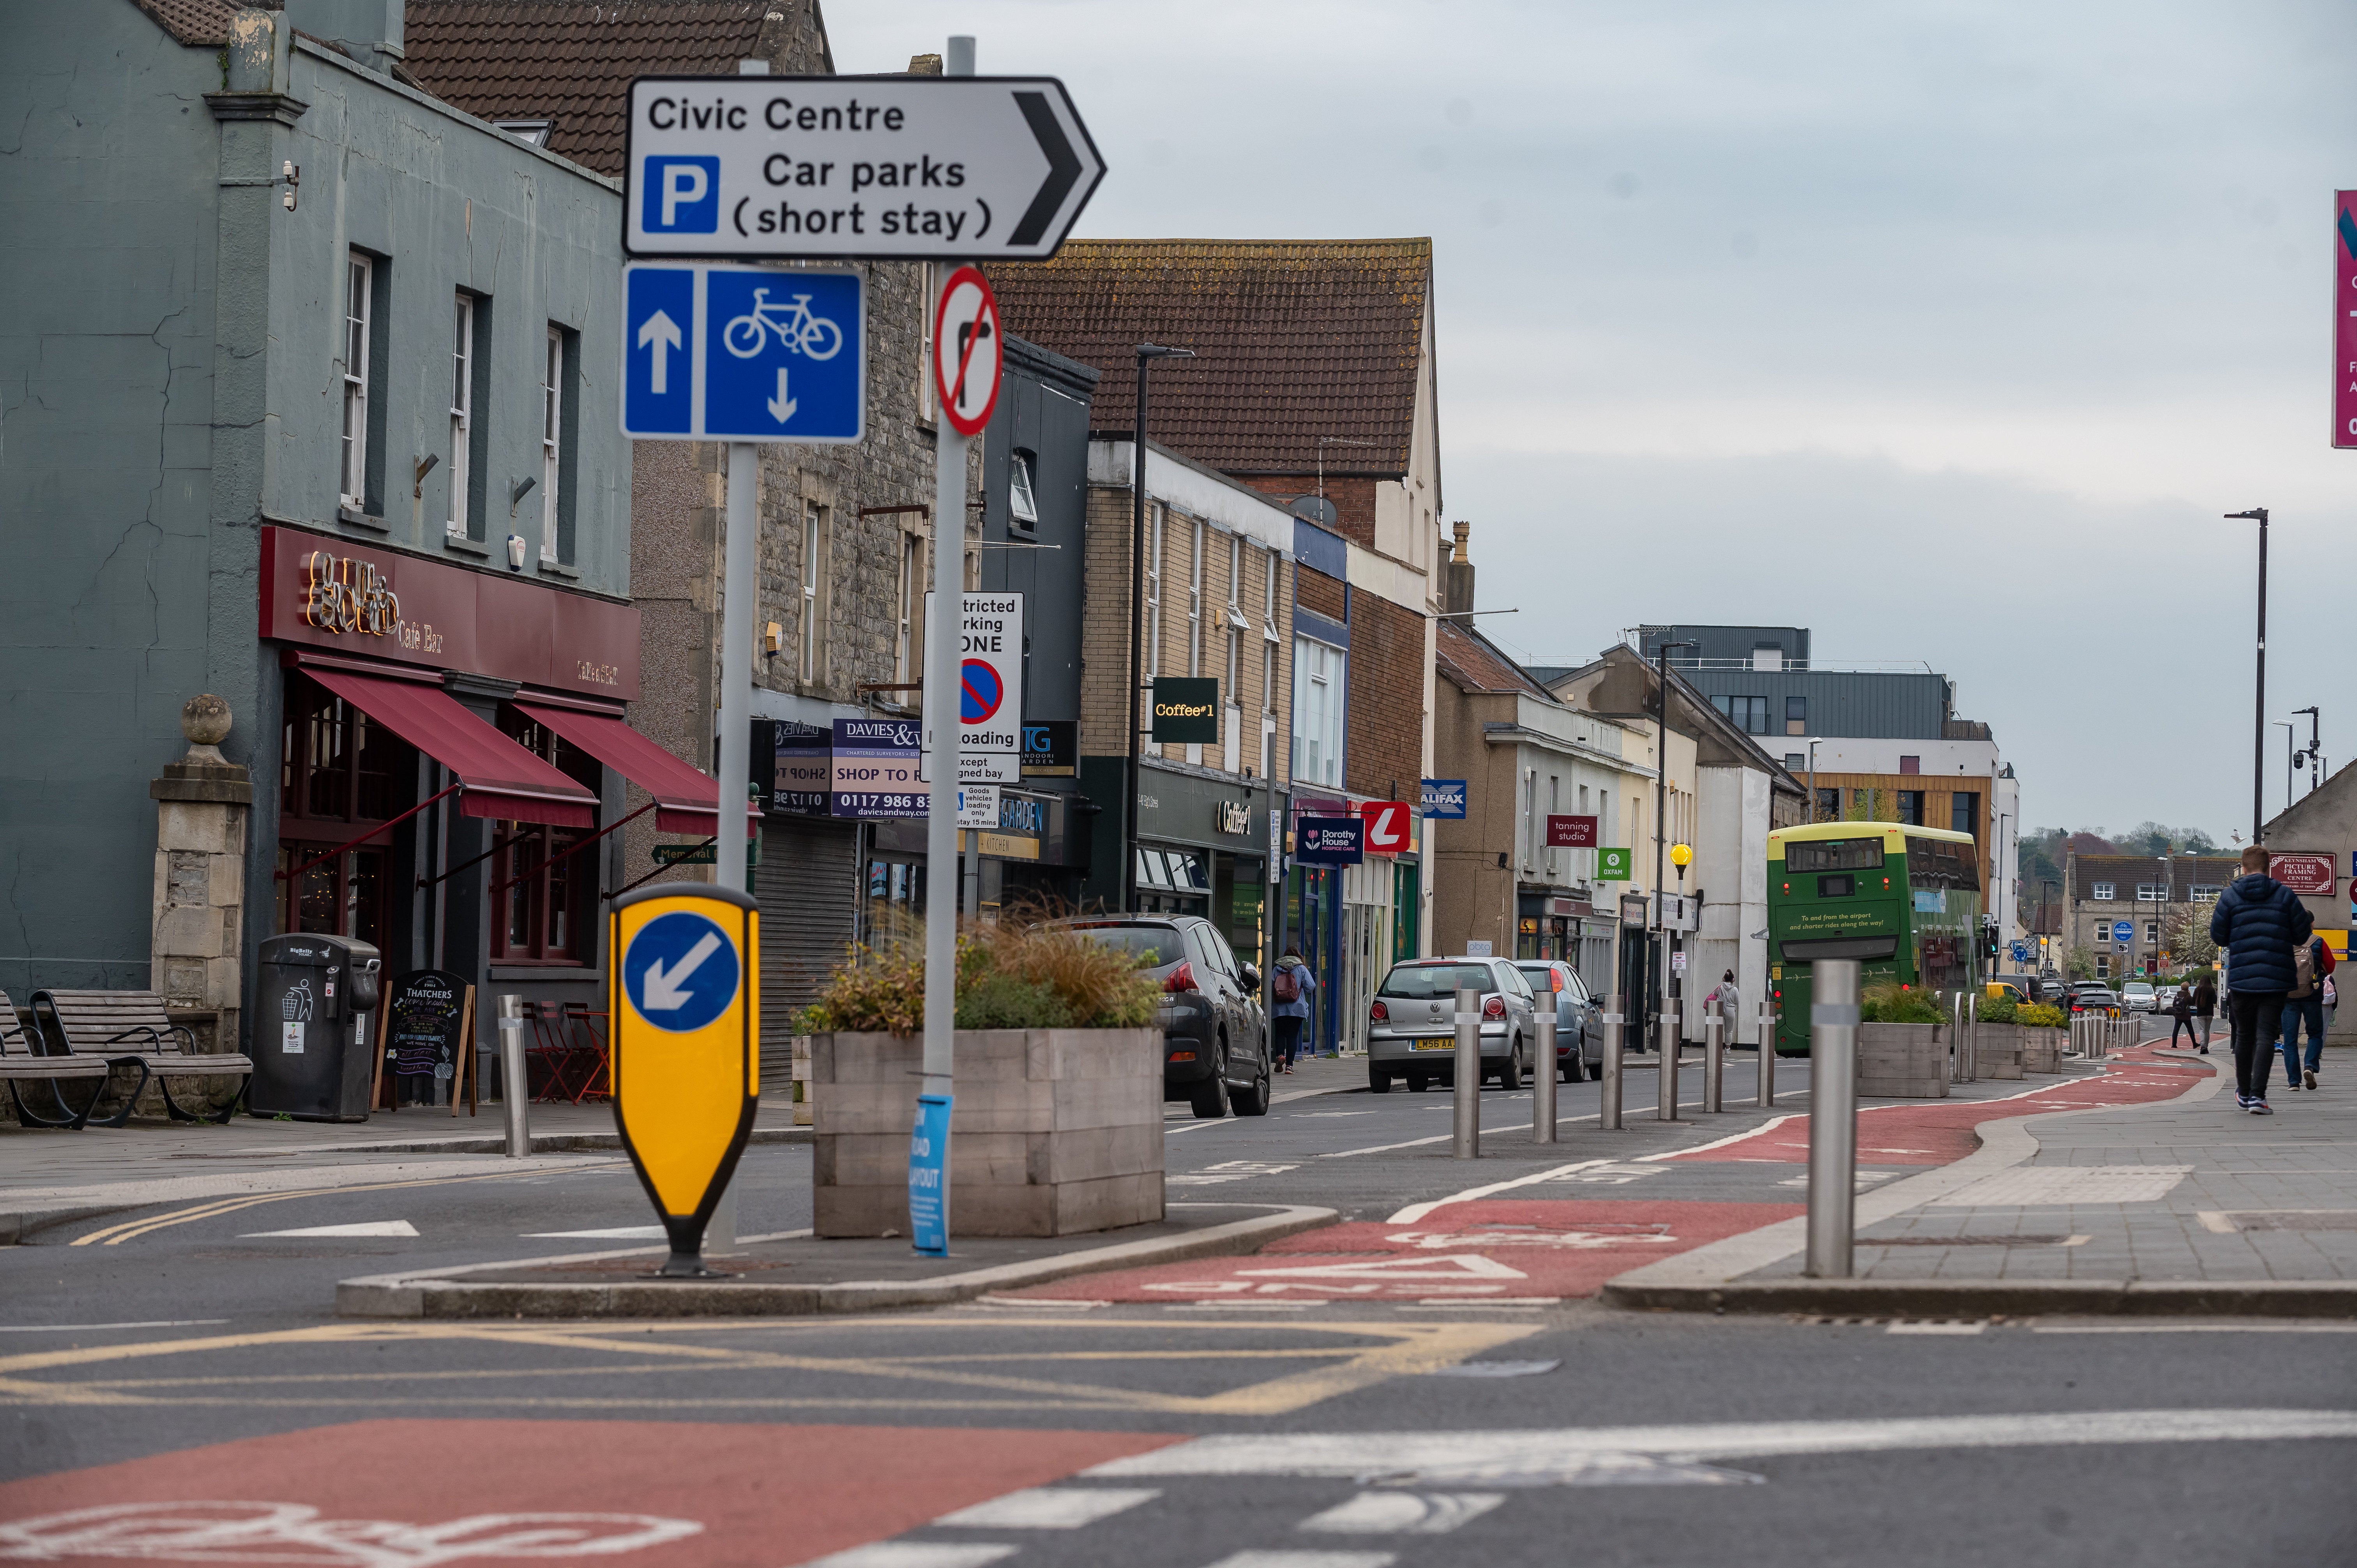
<point>466,546</point>
<point>549,970</point>
<point>358,518</point>
<point>558,569</point>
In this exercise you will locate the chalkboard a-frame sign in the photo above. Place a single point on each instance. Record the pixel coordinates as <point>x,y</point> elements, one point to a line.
<point>428,1035</point>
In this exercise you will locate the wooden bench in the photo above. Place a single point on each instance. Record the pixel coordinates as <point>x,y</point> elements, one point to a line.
<point>27,1058</point>
<point>132,1024</point>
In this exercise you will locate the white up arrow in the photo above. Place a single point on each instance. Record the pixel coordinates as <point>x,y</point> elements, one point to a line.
<point>661,333</point>
<point>663,991</point>
<point>782,407</point>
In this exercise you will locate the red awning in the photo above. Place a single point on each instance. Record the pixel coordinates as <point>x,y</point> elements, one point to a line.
<point>502,778</point>
<point>683,795</point>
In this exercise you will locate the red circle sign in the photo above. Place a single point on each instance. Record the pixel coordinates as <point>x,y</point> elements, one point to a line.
<point>968,354</point>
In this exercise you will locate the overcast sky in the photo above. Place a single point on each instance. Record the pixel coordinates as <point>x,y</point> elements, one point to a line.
<point>1946,330</point>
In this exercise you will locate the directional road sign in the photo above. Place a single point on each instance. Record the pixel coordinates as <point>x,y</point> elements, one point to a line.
<point>844,167</point>
<point>743,354</point>
<point>685,1001</point>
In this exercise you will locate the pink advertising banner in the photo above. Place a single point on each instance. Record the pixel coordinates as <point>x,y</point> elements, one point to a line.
<point>2344,319</point>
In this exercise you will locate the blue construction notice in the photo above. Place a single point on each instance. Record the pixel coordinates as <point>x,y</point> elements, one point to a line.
<point>929,1164</point>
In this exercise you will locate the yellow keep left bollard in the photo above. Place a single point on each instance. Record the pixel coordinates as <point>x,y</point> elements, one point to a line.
<point>685,1001</point>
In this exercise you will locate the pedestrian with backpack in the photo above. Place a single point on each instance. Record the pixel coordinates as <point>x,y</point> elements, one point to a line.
<point>2205,1006</point>
<point>2262,926</point>
<point>1288,991</point>
<point>2180,1008</point>
<point>2312,971</point>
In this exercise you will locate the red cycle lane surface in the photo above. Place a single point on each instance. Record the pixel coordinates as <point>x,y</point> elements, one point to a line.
<point>1942,1131</point>
<point>1489,1250</point>
<point>657,1494</point>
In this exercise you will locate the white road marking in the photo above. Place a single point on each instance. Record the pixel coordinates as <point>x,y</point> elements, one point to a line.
<point>1386,1148</point>
<point>1495,1369</point>
<point>2055,1186</point>
<point>617,1233</point>
<point>95,1328</point>
<point>1403,1513</point>
<point>1569,1454</point>
<point>364,1228</point>
<point>917,1554</point>
<point>1415,1211</point>
<point>2195,1329</point>
<point>1048,1507</point>
<point>1308,1560</point>
<point>1937,1329</point>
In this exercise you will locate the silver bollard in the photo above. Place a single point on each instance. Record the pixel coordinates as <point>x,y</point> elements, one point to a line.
<point>1969,1041</point>
<point>1544,1073</point>
<point>515,1094</point>
<point>1714,1059</point>
<point>1468,1144</point>
<point>1833,1117</point>
<point>1608,1071</point>
<point>1665,1101</point>
<point>1767,1092</point>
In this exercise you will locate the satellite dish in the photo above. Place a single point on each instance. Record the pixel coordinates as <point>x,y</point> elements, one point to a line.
<point>1317,510</point>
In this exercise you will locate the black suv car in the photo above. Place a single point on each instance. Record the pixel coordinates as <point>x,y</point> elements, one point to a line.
<point>1214,1032</point>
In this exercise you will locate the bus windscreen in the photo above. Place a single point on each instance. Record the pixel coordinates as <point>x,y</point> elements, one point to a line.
<point>1831,855</point>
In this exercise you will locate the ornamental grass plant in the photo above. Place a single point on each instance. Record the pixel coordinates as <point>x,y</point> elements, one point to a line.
<point>1892,1002</point>
<point>1016,974</point>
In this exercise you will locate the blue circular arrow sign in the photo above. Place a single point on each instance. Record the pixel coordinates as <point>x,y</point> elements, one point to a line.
<point>681,971</point>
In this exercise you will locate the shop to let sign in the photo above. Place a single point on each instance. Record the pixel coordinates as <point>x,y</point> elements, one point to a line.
<point>876,770</point>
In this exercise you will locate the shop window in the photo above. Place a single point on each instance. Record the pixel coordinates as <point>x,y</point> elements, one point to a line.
<point>337,767</point>
<point>1022,505</point>
<point>544,896</point>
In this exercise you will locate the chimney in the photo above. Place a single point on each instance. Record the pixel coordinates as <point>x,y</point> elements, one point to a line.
<point>370,31</point>
<point>1457,586</point>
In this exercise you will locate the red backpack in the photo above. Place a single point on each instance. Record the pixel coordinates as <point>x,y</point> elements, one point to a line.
<point>1285,988</point>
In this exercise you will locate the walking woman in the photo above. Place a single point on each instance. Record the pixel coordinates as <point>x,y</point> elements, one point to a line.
<point>2180,1007</point>
<point>2205,1006</point>
<point>1289,990</point>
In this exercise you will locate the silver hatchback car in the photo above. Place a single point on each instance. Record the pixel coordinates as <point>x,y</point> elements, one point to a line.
<point>1412,1024</point>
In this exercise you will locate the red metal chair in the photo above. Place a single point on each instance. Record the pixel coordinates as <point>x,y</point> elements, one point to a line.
<point>550,1053</point>
<point>587,1031</point>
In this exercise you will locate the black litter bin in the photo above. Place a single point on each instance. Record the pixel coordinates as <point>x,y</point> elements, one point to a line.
<point>313,1010</point>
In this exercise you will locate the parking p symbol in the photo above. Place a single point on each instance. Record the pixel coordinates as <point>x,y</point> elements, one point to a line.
<point>683,196</point>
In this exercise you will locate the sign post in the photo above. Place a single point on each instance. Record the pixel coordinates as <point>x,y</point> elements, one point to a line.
<point>684,1006</point>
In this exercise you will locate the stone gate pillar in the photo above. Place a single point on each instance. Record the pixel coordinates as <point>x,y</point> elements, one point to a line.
<point>202,803</point>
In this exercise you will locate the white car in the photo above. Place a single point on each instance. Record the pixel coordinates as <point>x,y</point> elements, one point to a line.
<point>2138,996</point>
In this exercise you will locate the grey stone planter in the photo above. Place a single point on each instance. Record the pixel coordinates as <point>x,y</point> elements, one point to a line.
<point>1903,1061</point>
<point>1054,1130</point>
<point>1997,1050</point>
<point>2041,1049</point>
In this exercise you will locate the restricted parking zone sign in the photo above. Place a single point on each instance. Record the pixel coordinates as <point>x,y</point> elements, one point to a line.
<point>684,1006</point>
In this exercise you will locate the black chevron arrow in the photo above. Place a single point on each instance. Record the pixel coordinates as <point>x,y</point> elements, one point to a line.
<point>1063,169</point>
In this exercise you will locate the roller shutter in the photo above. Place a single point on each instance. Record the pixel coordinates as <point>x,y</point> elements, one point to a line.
<point>807,883</point>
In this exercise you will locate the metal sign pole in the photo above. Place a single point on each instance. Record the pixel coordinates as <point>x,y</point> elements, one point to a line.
<point>1543,1081</point>
<point>1714,1059</point>
<point>1468,1076</point>
<point>1616,1025</point>
<point>736,591</point>
<point>1833,1117</point>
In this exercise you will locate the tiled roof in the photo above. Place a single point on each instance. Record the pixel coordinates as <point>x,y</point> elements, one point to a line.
<point>1469,663</point>
<point>1295,339</point>
<point>570,61</point>
<point>202,24</point>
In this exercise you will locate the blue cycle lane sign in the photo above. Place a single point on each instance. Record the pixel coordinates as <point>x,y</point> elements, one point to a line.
<point>740,353</point>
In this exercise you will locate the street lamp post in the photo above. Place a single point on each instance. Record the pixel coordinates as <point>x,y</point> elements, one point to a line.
<point>1661,785</point>
<point>1146,354</point>
<point>2315,743</point>
<point>2258,514</point>
<point>1812,781</point>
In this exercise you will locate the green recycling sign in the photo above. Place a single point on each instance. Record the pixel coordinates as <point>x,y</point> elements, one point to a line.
<point>1612,865</point>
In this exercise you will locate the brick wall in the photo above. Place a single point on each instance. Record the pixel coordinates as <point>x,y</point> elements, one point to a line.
<point>1354,499</point>
<point>1383,752</point>
<point>1323,594</point>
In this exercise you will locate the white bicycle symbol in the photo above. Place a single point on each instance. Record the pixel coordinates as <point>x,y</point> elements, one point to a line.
<point>798,332</point>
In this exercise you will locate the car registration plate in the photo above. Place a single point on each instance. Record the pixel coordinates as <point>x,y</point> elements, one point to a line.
<point>1448,1043</point>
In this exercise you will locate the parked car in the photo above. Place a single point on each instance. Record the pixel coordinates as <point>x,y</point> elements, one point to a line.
<point>1579,1021</point>
<point>1412,1023</point>
<point>1214,1032</point>
<point>2095,996</point>
<point>2137,996</point>
<point>2163,997</point>
<point>2052,991</point>
<point>2015,986</point>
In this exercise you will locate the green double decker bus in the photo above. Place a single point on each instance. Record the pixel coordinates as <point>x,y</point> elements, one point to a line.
<point>1904,902</point>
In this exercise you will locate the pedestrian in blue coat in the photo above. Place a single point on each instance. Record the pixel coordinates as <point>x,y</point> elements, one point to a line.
<point>2259,923</point>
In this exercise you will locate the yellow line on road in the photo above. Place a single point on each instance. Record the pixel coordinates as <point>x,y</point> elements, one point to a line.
<point>132,1230</point>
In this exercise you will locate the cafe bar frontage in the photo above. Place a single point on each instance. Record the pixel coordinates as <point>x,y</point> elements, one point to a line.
<point>453,764</point>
